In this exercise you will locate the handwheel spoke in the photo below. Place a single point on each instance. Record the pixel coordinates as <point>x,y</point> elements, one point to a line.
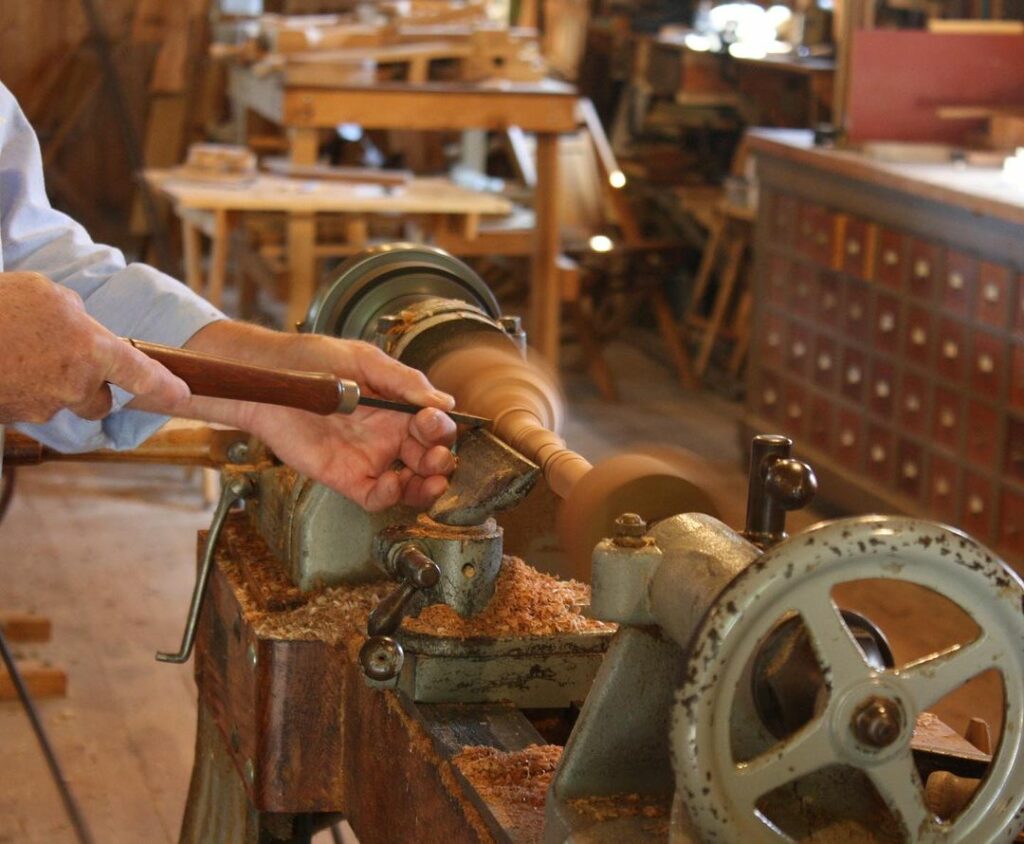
<point>899,786</point>
<point>800,754</point>
<point>930,679</point>
<point>840,656</point>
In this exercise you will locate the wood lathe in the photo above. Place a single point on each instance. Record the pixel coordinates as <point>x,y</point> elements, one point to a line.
<point>436,677</point>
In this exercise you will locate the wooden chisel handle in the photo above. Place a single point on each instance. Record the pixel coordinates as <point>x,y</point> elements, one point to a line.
<point>223,378</point>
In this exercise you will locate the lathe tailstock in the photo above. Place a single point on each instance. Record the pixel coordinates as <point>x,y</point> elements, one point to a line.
<point>434,678</point>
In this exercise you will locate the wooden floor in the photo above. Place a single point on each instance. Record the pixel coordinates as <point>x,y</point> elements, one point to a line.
<point>109,556</point>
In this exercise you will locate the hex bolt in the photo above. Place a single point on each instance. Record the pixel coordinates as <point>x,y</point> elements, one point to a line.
<point>877,722</point>
<point>630,531</point>
<point>238,452</point>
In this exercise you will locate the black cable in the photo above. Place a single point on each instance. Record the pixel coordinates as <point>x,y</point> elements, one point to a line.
<point>74,812</point>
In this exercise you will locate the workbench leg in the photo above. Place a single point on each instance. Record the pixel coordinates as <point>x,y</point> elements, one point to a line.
<point>545,295</point>
<point>303,145</point>
<point>730,276</point>
<point>192,246</point>
<point>219,256</point>
<point>301,266</point>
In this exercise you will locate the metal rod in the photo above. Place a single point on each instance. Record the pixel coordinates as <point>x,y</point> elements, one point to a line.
<point>75,815</point>
<point>234,490</point>
<point>405,407</point>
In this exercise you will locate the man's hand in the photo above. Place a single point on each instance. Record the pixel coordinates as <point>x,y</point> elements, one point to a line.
<point>377,458</point>
<point>54,356</point>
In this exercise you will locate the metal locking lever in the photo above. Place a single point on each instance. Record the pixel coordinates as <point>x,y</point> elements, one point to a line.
<point>381,656</point>
<point>777,483</point>
<point>236,488</point>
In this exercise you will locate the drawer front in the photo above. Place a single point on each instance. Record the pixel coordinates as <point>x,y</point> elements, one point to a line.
<point>853,375</point>
<point>951,350</point>
<point>785,210</point>
<point>794,418</point>
<point>890,259</point>
<point>815,233</point>
<point>1011,532</point>
<point>912,403</point>
<point>804,297</point>
<point>1017,376</point>
<point>880,454</point>
<point>918,336</point>
<point>849,445</point>
<point>829,300</point>
<point>910,469</point>
<point>924,270</point>
<point>882,388</point>
<point>780,273</point>
<point>855,311</point>
<point>887,323</point>
<point>1013,460</point>
<point>774,340</point>
<point>826,363</point>
<point>943,487</point>
<point>855,248</point>
<point>798,350</point>
<point>959,279</point>
<point>947,417</point>
<point>977,511</point>
<point>820,424</point>
<point>768,397</point>
<point>992,297</point>
<point>988,365</point>
<point>982,435</point>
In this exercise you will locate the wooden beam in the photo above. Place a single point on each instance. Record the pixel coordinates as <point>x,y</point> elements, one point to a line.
<point>25,626</point>
<point>41,679</point>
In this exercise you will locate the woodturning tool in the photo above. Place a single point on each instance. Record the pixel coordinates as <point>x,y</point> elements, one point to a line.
<point>317,392</point>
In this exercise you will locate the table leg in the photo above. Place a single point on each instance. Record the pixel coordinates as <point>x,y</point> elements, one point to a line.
<point>303,145</point>
<point>545,296</point>
<point>219,256</point>
<point>301,266</point>
<point>192,246</point>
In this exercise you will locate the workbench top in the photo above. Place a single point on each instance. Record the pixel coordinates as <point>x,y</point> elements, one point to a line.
<point>977,189</point>
<point>277,193</point>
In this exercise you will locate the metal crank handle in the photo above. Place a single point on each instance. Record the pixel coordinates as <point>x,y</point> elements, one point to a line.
<point>236,489</point>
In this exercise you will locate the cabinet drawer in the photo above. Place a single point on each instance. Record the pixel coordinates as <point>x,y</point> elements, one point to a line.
<point>780,271</point>
<point>849,446</point>
<point>1017,377</point>
<point>982,446</point>
<point>890,259</point>
<point>924,269</point>
<point>910,469</point>
<point>886,329</point>
<point>992,299</point>
<point>768,397</point>
<point>804,295</point>
<point>829,300</point>
<point>943,481</point>
<point>798,350</point>
<point>947,417</point>
<point>988,365</point>
<point>794,410</point>
<point>855,248</point>
<point>912,403</point>
<point>820,427</point>
<point>951,349</point>
<point>853,375</point>
<point>978,507</point>
<point>959,278</point>
<point>1013,461</point>
<point>917,336</point>
<point>855,311</point>
<point>880,454</point>
<point>825,366</point>
<point>785,209</point>
<point>1011,531</point>
<point>773,340</point>
<point>882,388</point>
<point>814,237</point>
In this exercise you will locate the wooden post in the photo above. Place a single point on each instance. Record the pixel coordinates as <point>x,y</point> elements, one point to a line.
<point>546,293</point>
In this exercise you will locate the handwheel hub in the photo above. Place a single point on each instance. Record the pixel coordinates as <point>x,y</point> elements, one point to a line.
<point>877,722</point>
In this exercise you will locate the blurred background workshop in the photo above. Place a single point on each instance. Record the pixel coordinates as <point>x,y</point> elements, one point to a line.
<point>738,289</point>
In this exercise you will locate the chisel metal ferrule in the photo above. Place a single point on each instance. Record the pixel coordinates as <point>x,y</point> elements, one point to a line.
<point>348,396</point>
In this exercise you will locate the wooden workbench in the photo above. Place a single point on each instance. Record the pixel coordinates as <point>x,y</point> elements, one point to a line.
<point>545,108</point>
<point>208,207</point>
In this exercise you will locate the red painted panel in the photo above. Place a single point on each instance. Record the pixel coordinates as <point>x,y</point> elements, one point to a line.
<point>899,79</point>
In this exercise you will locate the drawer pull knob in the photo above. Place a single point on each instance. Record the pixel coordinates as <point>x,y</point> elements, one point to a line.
<point>887,321</point>
<point>950,350</point>
<point>912,403</point>
<point>853,247</point>
<point>798,348</point>
<point>942,486</point>
<point>910,470</point>
<point>877,454</point>
<point>795,411</point>
<point>853,375</point>
<point>918,336</point>
<point>847,438</point>
<point>975,505</point>
<point>882,389</point>
<point>986,363</point>
<point>829,301</point>
<point>991,293</point>
<point>890,257</point>
<point>774,339</point>
<point>856,310</point>
<point>956,281</point>
<point>922,269</point>
<point>769,396</point>
<point>947,418</point>
<point>824,362</point>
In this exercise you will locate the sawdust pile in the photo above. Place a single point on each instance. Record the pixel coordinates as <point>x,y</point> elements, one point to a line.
<point>331,615</point>
<point>619,806</point>
<point>514,785</point>
<point>526,602</point>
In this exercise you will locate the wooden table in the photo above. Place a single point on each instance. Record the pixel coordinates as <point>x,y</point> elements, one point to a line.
<point>209,208</point>
<point>545,108</point>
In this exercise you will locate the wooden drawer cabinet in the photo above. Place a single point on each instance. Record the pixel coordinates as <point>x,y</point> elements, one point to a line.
<point>890,345</point>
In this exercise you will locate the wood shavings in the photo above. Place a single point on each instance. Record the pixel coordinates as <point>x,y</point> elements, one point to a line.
<point>526,602</point>
<point>513,784</point>
<point>620,806</point>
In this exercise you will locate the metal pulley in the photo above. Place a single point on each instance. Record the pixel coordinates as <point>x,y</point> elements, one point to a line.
<point>740,783</point>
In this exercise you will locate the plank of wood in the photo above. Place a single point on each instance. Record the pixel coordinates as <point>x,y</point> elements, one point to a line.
<point>283,167</point>
<point>25,626</point>
<point>42,680</point>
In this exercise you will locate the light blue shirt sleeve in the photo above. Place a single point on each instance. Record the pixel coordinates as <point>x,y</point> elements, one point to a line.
<point>132,300</point>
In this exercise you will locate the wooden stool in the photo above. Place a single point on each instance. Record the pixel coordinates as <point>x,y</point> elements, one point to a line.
<point>729,241</point>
